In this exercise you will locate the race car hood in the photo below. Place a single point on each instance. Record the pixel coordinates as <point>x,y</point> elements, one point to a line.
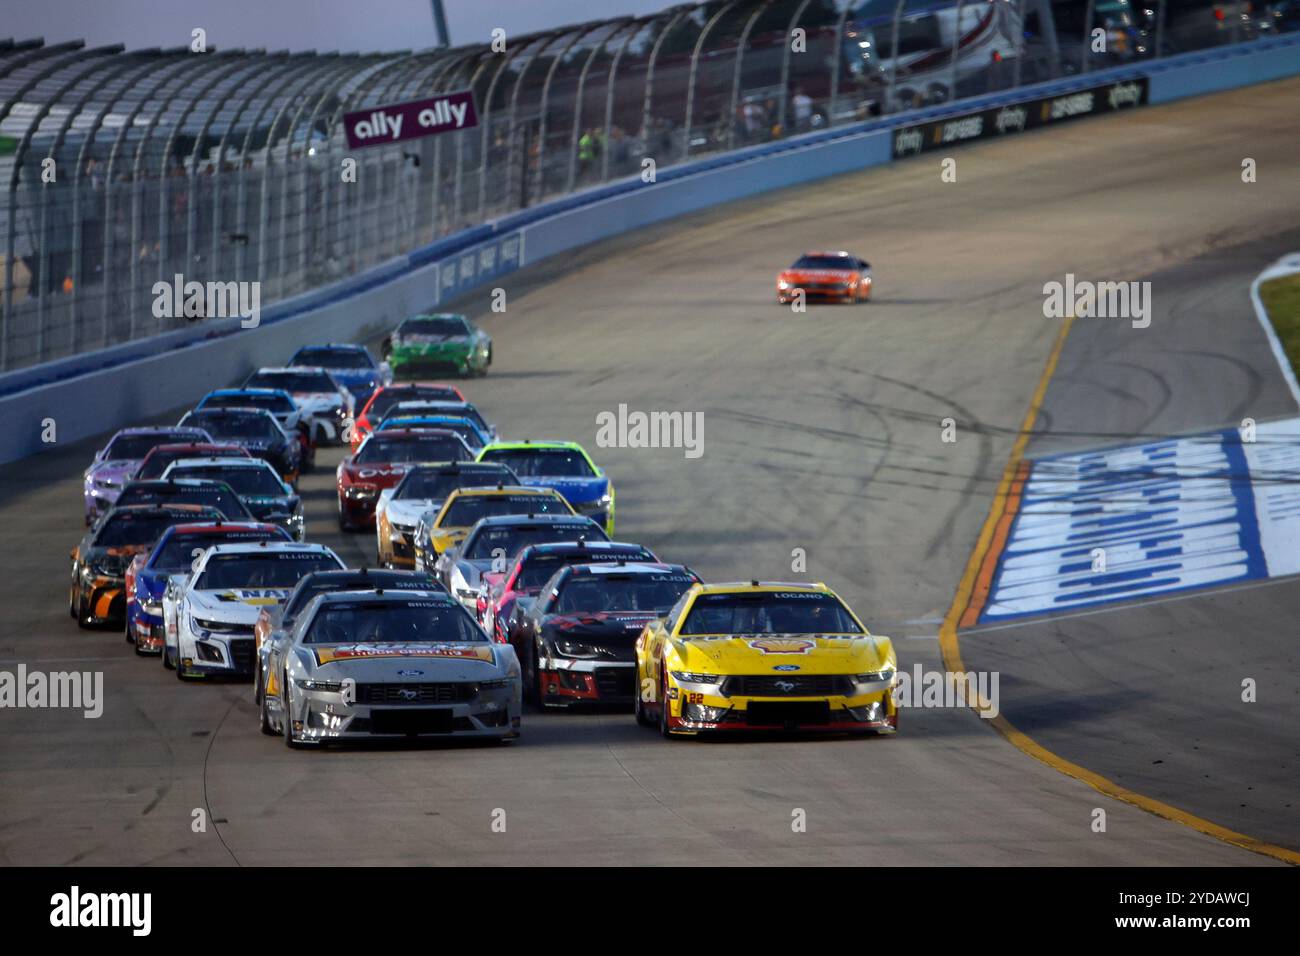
<point>577,491</point>
<point>394,663</point>
<point>407,511</point>
<point>317,401</point>
<point>263,508</point>
<point>432,343</point>
<point>354,378</point>
<point>383,474</point>
<point>235,605</point>
<point>761,653</point>
<point>619,626</point>
<point>113,560</point>
<point>115,472</point>
<point>817,275</point>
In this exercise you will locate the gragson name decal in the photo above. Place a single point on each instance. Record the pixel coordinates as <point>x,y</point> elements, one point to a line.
<point>398,122</point>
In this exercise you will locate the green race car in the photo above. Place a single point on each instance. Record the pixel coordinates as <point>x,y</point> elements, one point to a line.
<point>438,342</point>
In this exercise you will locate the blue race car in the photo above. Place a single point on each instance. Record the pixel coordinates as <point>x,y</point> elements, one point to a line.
<point>274,400</point>
<point>174,553</point>
<point>352,366</point>
<point>466,428</point>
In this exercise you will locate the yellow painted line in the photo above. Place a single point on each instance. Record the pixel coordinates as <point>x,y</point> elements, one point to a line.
<point>951,650</point>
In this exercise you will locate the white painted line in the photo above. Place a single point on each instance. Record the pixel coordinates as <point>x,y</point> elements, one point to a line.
<point>1287,265</point>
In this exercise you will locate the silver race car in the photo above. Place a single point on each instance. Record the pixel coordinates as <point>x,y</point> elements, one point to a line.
<point>388,664</point>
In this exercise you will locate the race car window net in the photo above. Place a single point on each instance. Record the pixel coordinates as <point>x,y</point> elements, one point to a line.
<point>435,486</point>
<point>223,499</point>
<point>826,262</point>
<point>539,568</point>
<point>178,553</point>
<point>132,530</point>
<point>134,447</point>
<point>246,482</point>
<point>225,426</point>
<point>769,613</point>
<point>392,396</point>
<point>512,539</point>
<point>381,449</point>
<point>292,381</point>
<point>333,358</point>
<point>463,512</point>
<point>392,622</point>
<point>434,327</point>
<point>543,462</point>
<point>157,464</point>
<point>634,592</point>
<point>270,569</point>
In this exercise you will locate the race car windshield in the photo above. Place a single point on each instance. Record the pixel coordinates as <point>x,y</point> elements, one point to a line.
<point>462,428</point>
<point>134,447</point>
<point>179,552</point>
<point>292,381</point>
<point>392,622</point>
<point>434,327</point>
<point>261,569</point>
<point>464,511</point>
<point>228,427</point>
<point>391,396</point>
<point>538,569</point>
<point>435,486</point>
<point>215,495</point>
<point>246,482</point>
<point>333,358</point>
<point>423,448</point>
<point>769,613</point>
<point>841,263</point>
<point>512,539</point>
<point>134,530</point>
<point>157,463</point>
<point>543,462</point>
<point>303,596</point>
<point>272,403</point>
<point>633,592</point>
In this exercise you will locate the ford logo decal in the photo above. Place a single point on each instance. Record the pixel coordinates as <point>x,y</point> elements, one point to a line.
<point>786,667</point>
<point>410,673</point>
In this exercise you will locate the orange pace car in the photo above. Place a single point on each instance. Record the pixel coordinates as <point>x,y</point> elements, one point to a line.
<point>386,397</point>
<point>825,276</point>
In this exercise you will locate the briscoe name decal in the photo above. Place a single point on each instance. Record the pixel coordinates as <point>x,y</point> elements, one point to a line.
<point>351,652</point>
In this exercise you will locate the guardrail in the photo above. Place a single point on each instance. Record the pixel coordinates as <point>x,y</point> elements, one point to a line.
<point>87,394</point>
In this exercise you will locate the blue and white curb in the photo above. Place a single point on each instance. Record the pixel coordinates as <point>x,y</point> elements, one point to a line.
<point>1098,527</point>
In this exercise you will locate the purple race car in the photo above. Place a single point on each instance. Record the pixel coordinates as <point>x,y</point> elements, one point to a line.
<point>117,461</point>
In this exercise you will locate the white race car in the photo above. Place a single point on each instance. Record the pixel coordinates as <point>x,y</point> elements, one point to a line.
<point>209,614</point>
<point>316,392</point>
<point>425,487</point>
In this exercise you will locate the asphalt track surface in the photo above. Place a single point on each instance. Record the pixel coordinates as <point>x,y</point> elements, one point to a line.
<point>822,432</point>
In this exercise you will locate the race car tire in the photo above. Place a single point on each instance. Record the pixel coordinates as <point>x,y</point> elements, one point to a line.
<point>663,707</point>
<point>638,708</point>
<point>535,685</point>
<point>264,718</point>
<point>167,662</point>
<point>83,613</point>
<point>72,603</point>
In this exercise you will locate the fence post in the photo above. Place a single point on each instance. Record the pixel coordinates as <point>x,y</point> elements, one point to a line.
<point>695,65</point>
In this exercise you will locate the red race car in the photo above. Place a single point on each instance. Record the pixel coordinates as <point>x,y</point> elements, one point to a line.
<point>533,567</point>
<point>382,461</point>
<point>156,462</point>
<point>825,277</point>
<point>387,396</point>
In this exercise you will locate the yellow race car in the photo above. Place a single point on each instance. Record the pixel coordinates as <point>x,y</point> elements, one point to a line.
<point>465,506</point>
<point>764,656</point>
